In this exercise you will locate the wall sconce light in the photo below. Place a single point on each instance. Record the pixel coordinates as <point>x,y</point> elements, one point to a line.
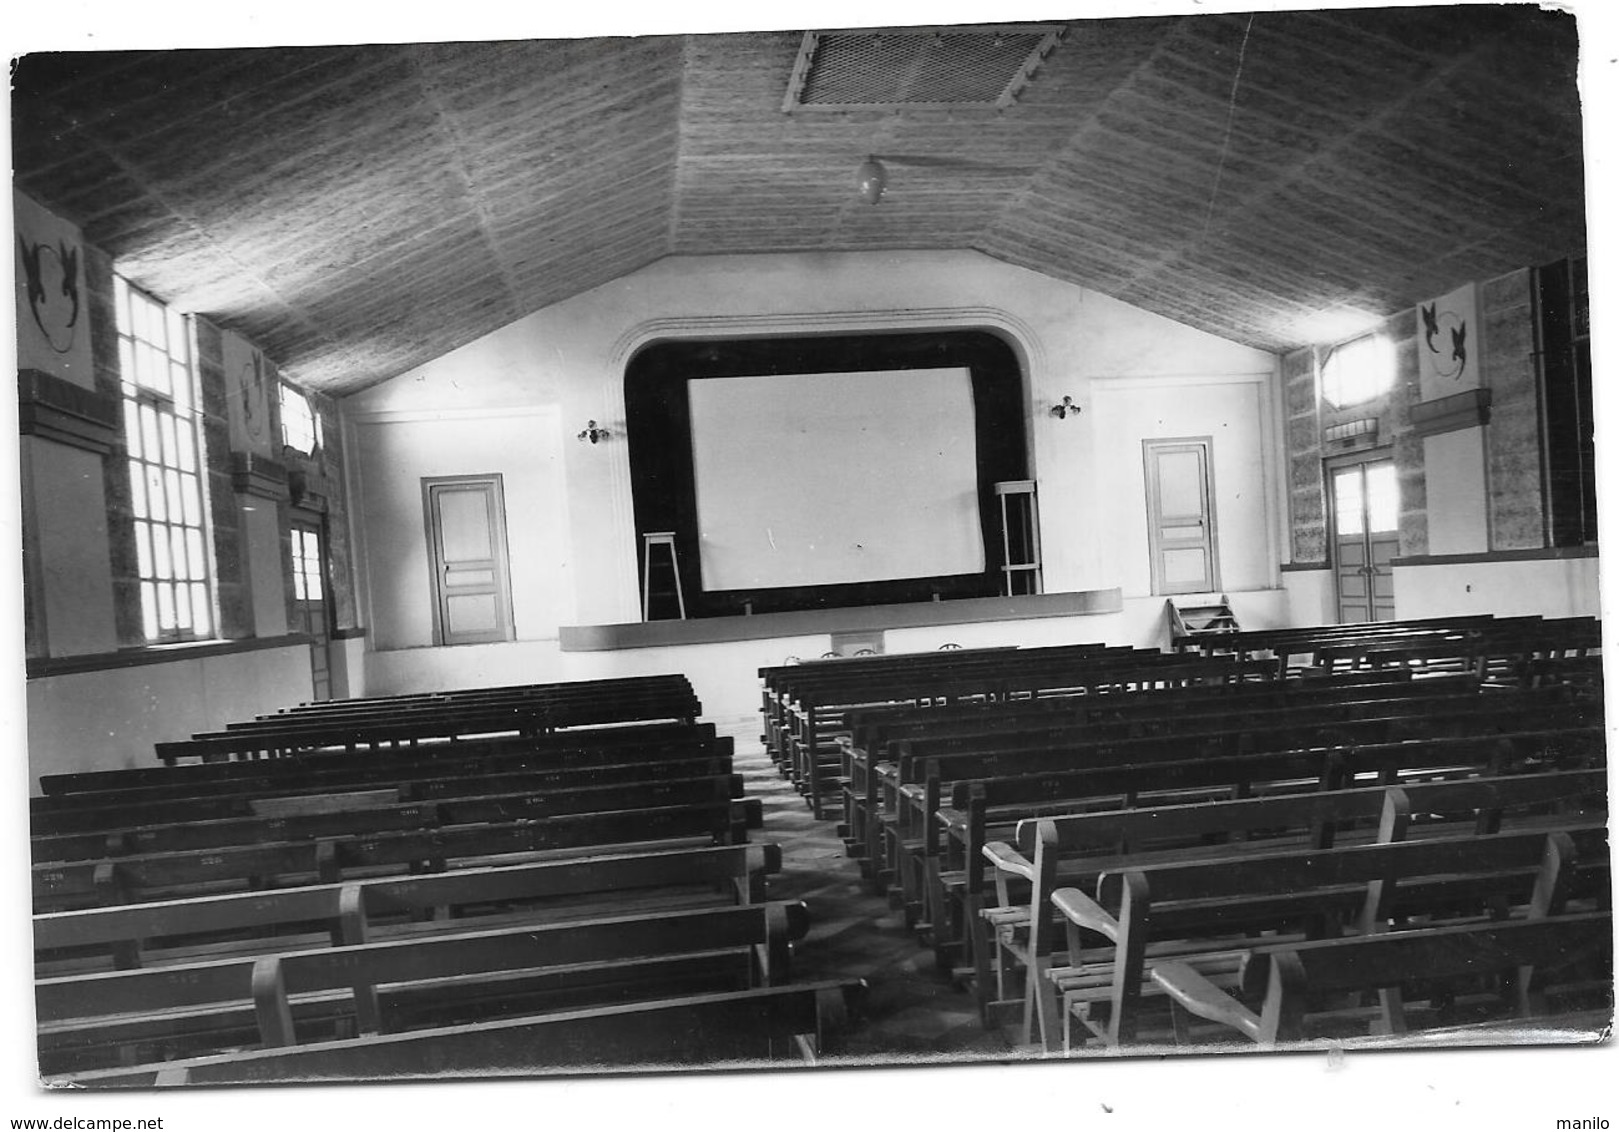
<point>593,433</point>
<point>1063,408</point>
<point>871,179</point>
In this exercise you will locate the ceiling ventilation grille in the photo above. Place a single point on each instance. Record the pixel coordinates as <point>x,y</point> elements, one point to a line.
<point>917,67</point>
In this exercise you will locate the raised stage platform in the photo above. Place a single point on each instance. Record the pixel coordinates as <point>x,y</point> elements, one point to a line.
<point>855,619</point>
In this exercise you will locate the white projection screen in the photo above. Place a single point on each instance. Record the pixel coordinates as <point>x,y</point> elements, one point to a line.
<point>829,478</point>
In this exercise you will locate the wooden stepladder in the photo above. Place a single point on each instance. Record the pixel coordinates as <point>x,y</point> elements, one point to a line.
<point>668,565</point>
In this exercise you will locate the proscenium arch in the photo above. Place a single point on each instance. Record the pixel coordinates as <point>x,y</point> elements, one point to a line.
<point>662,483</point>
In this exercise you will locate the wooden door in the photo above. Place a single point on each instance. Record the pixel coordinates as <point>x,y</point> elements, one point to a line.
<point>466,520</point>
<point>1365,538</point>
<point>1180,516</point>
<point>311,603</point>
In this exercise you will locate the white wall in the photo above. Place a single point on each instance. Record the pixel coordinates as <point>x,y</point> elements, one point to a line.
<point>1559,587</point>
<point>68,513</point>
<point>1458,512</point>
<point>110,719</point>
<point>261,529</point>
<point>395,450</point>
<point>1311,600</point>
<point>465,411</point>
<point>1234,412</point>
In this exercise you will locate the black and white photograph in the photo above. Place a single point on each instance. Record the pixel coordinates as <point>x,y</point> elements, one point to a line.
<point>878,563</point>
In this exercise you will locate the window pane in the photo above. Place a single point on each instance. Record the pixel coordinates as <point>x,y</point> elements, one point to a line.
<point>177,552</point>
<point>143,549</point>
<point>1383,497</point>
<point>188,448</point>
<point>149,440</point>
<point>1347,503</point>
<point>171,483</point>
<point>148,367</point>
<point>201,615</point>
<point>199,566</point>
<point>149,609</point>
<point>179,348</point>
<point>192,499</point>
<point>182,606</point>
<point>161,567</point>
<point>154,491</point>
<point>165,428</point>
<point>126,361</point>
<point>137,492</point>
<point>180,385</point>
<point>165,607</point>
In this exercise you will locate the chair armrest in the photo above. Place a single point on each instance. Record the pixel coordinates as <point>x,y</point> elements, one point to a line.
<point>1085,912</point>
<point>1008,860</point>
<point>1187,986</point>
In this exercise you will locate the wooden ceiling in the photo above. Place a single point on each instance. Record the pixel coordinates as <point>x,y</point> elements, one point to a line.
<point>362,210</point>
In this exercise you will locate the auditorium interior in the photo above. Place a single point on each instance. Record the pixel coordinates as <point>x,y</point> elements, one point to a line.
<point>918,544</point>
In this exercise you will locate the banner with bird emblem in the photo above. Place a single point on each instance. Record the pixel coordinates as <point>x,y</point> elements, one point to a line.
<point>250,381</point>
<point>53,307</point>
<point>1448,343</point>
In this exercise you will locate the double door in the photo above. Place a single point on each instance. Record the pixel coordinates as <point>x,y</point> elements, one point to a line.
<point>1365,521</point>
<point>312,602</point>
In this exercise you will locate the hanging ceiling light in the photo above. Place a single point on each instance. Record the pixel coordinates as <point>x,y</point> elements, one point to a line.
<point>871,179</point>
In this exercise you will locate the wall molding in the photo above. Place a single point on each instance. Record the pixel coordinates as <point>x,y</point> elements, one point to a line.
<point>432,416</point>
<point>1303,567</point>
<point>48,666</point>
<point>1123,383</point>
<point>1467,409</point>
<point>259,477</point>
<point>1532,554</point>
<point>51,408</point>
<point>827,322</point>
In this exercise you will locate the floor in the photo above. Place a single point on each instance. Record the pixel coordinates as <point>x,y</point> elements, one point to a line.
<point>914,1011</point>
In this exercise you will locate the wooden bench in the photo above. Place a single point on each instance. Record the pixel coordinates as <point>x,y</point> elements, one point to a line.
<point>873,731</point>
<point>537,711</point>
<point>1284,980</point>
<point>135,935</point>
<point>749,1027</point>
<point>1074,850</point>
<point>377,812</point>
<point>103,811</point>
<point>338,770</point>
<point>949,862</point>
<point>902,808</point>
<point>58,887</point>
<point>816,712</point>
<point>1209,906</point>
<point>382,986</point>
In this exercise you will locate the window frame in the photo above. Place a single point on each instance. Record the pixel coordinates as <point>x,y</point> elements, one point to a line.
<point>1331,355</point>
<point>1210,543</point>
<point>316,433</point>
<point>143,402</point>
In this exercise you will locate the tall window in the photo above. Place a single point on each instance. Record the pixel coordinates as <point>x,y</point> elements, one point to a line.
<point>306,564</point>
<point>165,468</point>
<point>300,424</point>
<point>1568,426</point>
<point>1357,371</point>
